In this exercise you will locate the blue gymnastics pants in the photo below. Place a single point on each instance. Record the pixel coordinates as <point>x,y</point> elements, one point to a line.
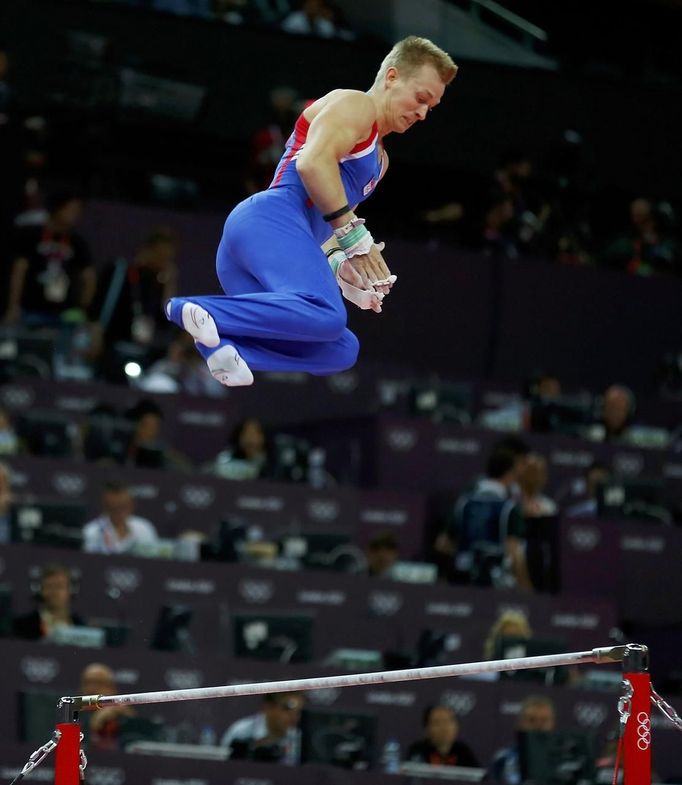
<point>282,308</point>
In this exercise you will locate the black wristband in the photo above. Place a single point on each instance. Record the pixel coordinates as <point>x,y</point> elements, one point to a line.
<point>334,250</point>
<point>337,213</point>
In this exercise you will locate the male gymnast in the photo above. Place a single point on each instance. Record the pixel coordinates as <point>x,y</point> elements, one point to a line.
<point>289,252</point>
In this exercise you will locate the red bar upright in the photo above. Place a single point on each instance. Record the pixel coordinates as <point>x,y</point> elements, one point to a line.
<point>637,740</point>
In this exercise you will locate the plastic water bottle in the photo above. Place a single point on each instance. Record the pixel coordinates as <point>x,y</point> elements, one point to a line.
<point>390,757</point>
<point>207,736</point>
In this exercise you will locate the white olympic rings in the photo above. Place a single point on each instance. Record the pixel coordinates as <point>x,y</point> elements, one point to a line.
<point>643,731</point>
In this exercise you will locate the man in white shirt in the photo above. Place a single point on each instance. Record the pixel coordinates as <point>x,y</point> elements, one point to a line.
<point>117,530</point>
<point>272,734</point>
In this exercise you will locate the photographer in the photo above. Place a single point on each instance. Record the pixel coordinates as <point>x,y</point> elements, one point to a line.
<point>272,734</point>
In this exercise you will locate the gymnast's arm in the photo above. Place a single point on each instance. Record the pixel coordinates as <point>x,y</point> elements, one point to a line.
<point>340,125</point>
<point>333,133</point>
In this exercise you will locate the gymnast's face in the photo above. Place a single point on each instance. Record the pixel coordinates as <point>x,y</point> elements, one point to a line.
<point>409,98</point>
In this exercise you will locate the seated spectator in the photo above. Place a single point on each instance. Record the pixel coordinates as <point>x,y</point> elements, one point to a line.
<point>267,143</point>
<point>383,551</point>
<point>270,735</point>
<point>537,714</point>
<point>509,624</point>
<point>315,17</point>
<point>487,529</point>
<point>440,745</point>
<point>532,482</point>
<point>618,407</point>
<point>616,422</point>
<point>128,304</point>
<point>117,529</point>
<point>649,246</point>
<point>54,606</point>
<point>9,441</point>
<point>596,475</point>
<point>6,500</point>
<point>146,448</point>
<point>247,455</point>
<point>101,727</point>
<point>52,277</point>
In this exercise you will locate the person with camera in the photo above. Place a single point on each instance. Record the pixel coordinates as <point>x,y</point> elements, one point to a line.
<point>270,735</point>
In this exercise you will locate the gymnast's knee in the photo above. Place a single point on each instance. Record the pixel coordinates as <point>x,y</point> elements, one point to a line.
<point>330,321</point>
<point>345,353</point>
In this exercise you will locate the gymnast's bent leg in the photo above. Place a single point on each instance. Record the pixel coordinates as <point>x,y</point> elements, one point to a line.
<point>290,299</point>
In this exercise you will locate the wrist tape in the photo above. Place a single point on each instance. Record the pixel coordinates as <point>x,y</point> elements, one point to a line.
<point>353,238</point>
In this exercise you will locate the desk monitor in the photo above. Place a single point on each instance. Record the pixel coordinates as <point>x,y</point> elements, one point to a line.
<point>441,401</point>
<point>338,738</point>
<point>513,647</point>
<point>561,415</point>
<point>27,353</point>
<point>557,758</point>
<point>638,498</point>
<point>48,522</point>
<point>171,632</point>
<point>317,549</point>
<point>5,611</point>
<point>107,437</point>
<point>36,714</point>
<point>285,637</point>
<point>47,433</point>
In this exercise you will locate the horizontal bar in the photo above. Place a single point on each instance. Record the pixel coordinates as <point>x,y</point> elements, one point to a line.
<point>600,656</point>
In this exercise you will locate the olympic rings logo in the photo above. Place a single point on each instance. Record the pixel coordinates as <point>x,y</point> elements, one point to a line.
<point>643,731</point>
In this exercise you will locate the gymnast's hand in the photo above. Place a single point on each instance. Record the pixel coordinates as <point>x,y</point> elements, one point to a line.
<point>373,269</point>
<point>354,289</point>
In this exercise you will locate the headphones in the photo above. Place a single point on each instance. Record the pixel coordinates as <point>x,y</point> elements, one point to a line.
<point>36,576</point>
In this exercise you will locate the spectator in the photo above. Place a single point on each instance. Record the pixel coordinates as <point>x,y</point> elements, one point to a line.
<point>102,726</point>
<point>247,455</point>
<point>52,271</point>
<point>487,528</point>
<point>128,305</point>
<point>272,734</point>
<point>5,503</point>
<point>545,385</point>
<point>314,18</point>
<point>440,745</point>
<point>383,551</point>
<point>9,441</point>
<point>509,624</point>
<point>649,247</point>
<point>532,482</point>
<point>117,529</point>
<point>537,714</point>
<point>146,448</point>
<point>618,407</point>
<point>268,143</point>
<point>596,475</point>
<point>54,606</point>
<point>497,235</point>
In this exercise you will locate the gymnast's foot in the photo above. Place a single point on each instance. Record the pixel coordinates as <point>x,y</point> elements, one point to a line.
<point>197,321</point>
<point>229,368</point>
